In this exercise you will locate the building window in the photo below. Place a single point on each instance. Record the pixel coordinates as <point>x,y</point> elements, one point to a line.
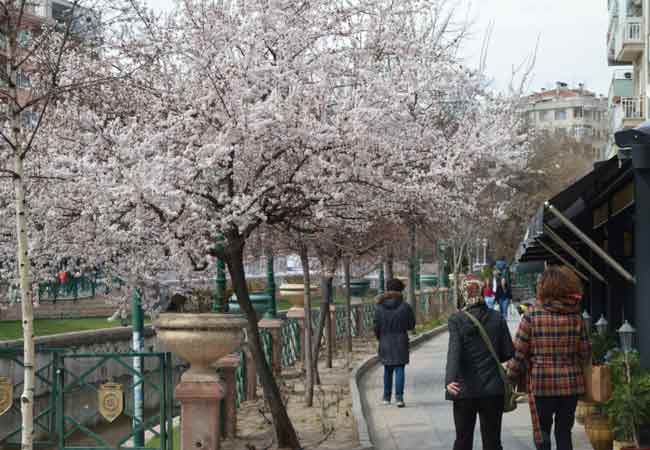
<point>24,38</point>
<point>578,113</point>
<point>23,80</point>
<point>560,114</point>
<point>30,119</point>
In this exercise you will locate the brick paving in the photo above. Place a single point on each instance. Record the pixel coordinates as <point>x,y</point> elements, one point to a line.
<point>426,422</point>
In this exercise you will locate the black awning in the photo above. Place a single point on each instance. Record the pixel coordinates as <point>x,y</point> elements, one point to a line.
<point>574,202</point>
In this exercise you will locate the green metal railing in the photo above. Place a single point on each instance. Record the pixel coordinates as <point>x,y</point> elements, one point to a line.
<point>45,424</point>
<point>290,337</point>
<point>267,345</point>
<point>368,318</point>
<point>75,288</point>
<point>159,380</point>
<point>241,375</point>
<point>340,319</point>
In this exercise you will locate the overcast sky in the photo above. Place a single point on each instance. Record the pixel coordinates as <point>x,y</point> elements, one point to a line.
<point>572,37</point>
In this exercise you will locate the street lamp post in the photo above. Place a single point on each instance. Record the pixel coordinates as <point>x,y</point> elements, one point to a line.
<point>602,325</point>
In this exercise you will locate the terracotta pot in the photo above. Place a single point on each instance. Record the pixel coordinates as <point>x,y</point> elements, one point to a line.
<point>601,383</point>
<point>200,339</point>
<point>584,410</point>
<point>599,432</point>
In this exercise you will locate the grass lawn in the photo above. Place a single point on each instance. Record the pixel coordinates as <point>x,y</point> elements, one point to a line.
<point>12,329</point>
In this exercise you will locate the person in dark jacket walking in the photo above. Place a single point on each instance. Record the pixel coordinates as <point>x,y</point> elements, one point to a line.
<point>472,378</point>
<point>394,318</point>
<point>503,297</point>
<point>552,347</point>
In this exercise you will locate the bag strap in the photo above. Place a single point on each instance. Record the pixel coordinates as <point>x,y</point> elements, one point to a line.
<point>488,343</point>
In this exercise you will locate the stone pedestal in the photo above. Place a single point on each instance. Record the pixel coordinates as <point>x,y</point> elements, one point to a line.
<point>228,366</point>
<point>298,314</point>
<point>251,375</point>
<point>274,327</point>
<point>200,412</point>
<point>357,315</point>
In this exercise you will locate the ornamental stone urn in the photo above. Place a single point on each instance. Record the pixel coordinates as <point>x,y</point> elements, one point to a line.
<point>200,339</point>
<point>295,294</point>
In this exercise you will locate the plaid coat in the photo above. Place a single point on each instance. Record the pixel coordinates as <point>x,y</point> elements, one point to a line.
<point>553,346</point>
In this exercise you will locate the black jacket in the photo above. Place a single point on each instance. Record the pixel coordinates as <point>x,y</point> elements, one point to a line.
<point>393,319</point>
<point>503,293</point>
<point>469,362</point>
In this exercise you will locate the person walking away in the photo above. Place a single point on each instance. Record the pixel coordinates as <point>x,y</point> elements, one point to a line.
<point>473,380</point>
<point>503,297</point>
<point>552,345</point>
<point>488,293</point>
<point>394,318</point>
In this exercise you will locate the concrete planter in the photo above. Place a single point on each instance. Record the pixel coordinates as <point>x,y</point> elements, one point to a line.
<point>295,294</point>
<point>200,339</point>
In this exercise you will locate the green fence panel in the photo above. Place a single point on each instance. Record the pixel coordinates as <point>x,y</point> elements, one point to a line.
<point>47,390</point>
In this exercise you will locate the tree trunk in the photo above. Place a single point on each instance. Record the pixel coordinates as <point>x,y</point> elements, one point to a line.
<point>348,310</point>
<point>283,430</point>
<point>412,255</point>
<point>27,307</point>
<point>389,265</point>
<point>29,357</point>
<point>307,344</point>
<point>323,320</point>
<point>331,335</point>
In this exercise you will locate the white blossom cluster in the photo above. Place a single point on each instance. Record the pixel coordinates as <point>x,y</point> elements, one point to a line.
<point>225,117</point>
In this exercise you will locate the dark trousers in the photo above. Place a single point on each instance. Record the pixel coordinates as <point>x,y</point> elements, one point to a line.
<point>399,382</point>
<point>490,413</point>
<point>562,411</point>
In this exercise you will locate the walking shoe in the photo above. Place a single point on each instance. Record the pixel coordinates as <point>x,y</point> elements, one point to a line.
<point>385,402</point>
<point>400,404</point>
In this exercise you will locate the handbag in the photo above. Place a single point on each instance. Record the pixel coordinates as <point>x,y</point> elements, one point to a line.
<point>509,397</point>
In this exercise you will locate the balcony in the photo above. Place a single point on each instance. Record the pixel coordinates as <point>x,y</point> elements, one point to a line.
<point>625,41</point>
<point>627,113</point>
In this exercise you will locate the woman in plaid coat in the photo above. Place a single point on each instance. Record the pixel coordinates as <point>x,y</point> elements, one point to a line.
<point>551,347</point>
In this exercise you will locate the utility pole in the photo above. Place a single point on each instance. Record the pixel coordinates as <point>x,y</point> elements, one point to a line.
<point>137,318</point>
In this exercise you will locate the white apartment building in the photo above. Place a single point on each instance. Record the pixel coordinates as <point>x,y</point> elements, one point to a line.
<point>569,112</point>
<point>627,40</point>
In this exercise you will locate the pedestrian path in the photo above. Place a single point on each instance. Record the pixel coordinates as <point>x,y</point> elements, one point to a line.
<point>426,422</point>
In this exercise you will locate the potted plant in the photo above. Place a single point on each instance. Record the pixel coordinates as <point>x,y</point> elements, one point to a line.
<point>629,406</point>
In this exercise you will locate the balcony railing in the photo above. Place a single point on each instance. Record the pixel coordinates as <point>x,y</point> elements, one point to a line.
<point>624,40</point>
<point>632,107</point>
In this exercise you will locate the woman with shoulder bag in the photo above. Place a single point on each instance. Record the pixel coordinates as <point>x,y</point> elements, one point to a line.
<point>552,346</point>
<point>479,340</point>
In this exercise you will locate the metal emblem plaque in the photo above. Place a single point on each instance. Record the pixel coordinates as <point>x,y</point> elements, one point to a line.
<point>111,401</point>
<point>6,395</point>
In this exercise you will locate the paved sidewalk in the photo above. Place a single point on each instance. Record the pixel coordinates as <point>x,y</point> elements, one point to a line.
<point>426,422</point>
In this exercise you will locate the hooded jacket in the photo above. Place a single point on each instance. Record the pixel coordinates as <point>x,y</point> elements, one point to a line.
<point>469,361</point>
<point>552,344</point>
<point>394,318</point>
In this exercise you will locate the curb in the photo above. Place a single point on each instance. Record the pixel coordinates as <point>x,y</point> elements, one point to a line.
<point>365,441</point>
